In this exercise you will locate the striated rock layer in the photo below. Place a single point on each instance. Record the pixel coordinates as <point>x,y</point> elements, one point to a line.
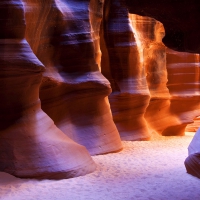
<point>149,34</point>
<point>180,19</point>
<point>96,16</point>
<point>193,127</point>
<point>31,146</point>
<point>169,111</point>
<point>183,83</point>
<point>64,36</point>
<point>154,89</point>
<point>122,67</point>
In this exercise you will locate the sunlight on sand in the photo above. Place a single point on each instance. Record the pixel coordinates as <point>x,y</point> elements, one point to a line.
<point>144,170</point>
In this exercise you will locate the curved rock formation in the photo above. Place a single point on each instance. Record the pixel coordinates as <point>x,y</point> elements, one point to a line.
<point>192,164</point>
<point>31,146</point>
<point>164,114</point>
<point>96,16</point>
<point>73,91</point>
<point>180,19</point>
<point>122,67</point>
<point>183,84</point>
<point>182,34</point>
<point>193,127</point>
<point>149,34</point>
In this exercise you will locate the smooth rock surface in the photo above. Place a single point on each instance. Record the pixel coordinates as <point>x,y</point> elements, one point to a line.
<point>172,77</point>
<point>193,127</point>
<point>194,146</point>
<point>154,89</point>
<point>180,19</point>
<point>31,146</point>
<point>149,34</point>
<point>183,83</point>
<point>73,92</point>
<point>122,67</point>
<point>192,162</point>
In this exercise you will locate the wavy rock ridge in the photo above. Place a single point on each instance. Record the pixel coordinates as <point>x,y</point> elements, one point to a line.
<point>121,66</point>
<point>173,79</point>
<point>107,75</point>
<point>31,146</point>
<point>73,91</point>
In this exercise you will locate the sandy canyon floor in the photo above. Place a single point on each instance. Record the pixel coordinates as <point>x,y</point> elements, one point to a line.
<point>145,170</point>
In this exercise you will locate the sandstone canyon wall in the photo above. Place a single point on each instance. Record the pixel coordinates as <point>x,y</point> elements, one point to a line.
<point>180,19</point>
<point>137,63</point>
<point>184,86</point>
<point>64,36</point>
<point>193,127</point>
<point>122,67</point>
<point>99,72</point>
<point>31,146</point>
<point>149,34</point>
<point>173,79</point>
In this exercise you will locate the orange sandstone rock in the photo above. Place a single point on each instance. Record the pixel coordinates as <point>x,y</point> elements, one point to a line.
<point>149,34</point>
<point>121,65</point>
<point>31,146</point>
<point>73,92</point>
<point>172,106</point>
<point>183,84</point>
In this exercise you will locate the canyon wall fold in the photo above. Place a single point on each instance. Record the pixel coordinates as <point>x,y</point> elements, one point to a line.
<point>122,67</point>
<point>80,75</point>
<point>173,79</point>
<point>149,34</point>
<point>180,19</point>
<point>31,146</point>
<point>183,83</point>
<point>64,35</point>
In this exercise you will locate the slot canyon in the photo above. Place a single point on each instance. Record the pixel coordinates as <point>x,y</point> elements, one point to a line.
<point>96,92</point>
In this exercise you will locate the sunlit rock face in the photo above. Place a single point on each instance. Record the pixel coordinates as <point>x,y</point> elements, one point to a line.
<point>134,61</point>
<point>183,83</point>
<point>149,34</point>
<point>167,73</point>
<point>193,127</point>
<point>31,146</point>
<point>154,88</point>
<point>122,67</point>
<point>96,16</point>
<point>65,38</point>
<point>180,19</point>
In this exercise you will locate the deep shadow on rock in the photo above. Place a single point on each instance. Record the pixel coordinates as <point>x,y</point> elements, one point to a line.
<point>192,162</point>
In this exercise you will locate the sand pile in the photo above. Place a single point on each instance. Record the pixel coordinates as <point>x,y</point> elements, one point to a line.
<point>145,170</point>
